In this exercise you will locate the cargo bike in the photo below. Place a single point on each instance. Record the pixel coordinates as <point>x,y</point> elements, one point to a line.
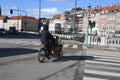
<point>56,51</point>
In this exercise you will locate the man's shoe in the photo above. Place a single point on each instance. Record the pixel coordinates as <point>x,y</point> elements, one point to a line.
<point>48,57</point>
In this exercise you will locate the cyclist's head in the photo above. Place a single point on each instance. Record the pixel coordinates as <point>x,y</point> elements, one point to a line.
<point>45,27</point>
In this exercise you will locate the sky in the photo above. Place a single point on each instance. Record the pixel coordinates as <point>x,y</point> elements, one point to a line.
<point>49,8</point>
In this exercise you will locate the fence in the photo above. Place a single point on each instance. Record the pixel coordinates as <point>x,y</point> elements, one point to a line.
<point>115,42</point>
<point>64,36</point>
<point>101,41</point>
<point>77,37</point>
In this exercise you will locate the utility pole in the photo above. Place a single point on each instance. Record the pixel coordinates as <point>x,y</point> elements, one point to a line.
<point>0,11</point>
<point>18,19</point>
<point>39,21</point>
<point>88,19</point>
<point>74,25</point>
<point>39,9</point>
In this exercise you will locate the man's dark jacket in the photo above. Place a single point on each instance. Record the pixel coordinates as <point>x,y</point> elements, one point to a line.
<point>47,38</point>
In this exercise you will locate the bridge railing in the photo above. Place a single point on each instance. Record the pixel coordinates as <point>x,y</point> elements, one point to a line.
<point>115,42</point>
<point>101,41</point>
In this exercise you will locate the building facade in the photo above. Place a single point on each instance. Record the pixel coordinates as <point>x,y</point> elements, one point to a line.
<point>23,23</point>
<point>3,21</point>
<point>107,19</point>
<point>56,24</point>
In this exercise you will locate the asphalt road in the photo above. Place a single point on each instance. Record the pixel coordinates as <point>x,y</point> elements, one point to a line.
<point>18,61</point>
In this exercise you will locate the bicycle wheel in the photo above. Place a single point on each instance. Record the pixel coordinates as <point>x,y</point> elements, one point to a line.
<point>41,55</point>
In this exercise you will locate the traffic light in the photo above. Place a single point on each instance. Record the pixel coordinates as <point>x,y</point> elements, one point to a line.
<point>11,11</point>
<point>93,24</point>
<point>90,23</point>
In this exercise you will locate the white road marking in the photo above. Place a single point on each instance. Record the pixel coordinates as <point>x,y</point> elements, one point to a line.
<point>21,42</point>
<point>108,57</point>
<point>37,43</point>
<point>97,62</point>
<point>66,45</point>
<point>103,67</point>
<point>102,73</point>
<point>91,78</point>
<point>75,46</point>
<point>109,60</point>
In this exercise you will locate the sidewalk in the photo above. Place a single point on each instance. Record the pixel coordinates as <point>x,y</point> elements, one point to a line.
<point>102,52</point>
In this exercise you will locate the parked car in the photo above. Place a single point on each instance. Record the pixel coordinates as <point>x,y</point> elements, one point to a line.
<point>12,30</point>
<point>3,31</point>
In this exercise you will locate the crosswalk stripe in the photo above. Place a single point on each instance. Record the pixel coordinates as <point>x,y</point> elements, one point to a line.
<point>88,66</point>
<point>13,41</point>
<point>65,45</point>
<point>27,43</point>
<point>33,42</point>
<point>21,42</point>
<point>37,43</point>
<point>98,62</point>
<point>91,78</point>
<point>108,57</point>
<point>75,46</point>
<point>102,73</point>
<point>109,60</point>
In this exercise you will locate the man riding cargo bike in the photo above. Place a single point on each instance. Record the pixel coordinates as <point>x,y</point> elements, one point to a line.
<point>50,46</point>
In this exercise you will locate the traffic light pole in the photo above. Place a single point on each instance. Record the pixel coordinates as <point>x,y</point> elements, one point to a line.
<point>92,24</point>
<point>74,24</point>
<point>86,35</point>
<point>11,12</point>
<point>89,25</point>
<point>90,35</point>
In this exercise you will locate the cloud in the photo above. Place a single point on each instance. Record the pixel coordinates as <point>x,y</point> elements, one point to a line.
<point>47,12</point>
<point>14,7</point>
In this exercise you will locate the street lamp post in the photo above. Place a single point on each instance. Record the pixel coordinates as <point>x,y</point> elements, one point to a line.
<point>88,19</point>
<point>39,24</point>
<point>39,9</point>
<point>90,24</point>
<point>18,18</point>
<point>74,24</point>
